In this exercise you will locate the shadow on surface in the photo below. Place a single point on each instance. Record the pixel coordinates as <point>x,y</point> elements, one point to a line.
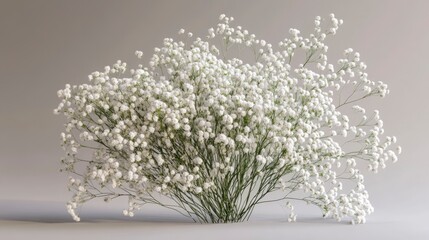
<point>55,212</point>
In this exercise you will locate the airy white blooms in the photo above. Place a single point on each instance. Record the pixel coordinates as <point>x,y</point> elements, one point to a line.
<point>216,134</point>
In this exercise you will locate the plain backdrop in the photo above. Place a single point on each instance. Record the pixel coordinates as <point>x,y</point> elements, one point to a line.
<point>46,44</point>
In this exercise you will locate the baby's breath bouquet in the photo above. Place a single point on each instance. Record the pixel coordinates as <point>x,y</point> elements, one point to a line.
<point>211,135</point>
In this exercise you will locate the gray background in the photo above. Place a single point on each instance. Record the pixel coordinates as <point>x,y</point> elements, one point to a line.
<point>46,44</point>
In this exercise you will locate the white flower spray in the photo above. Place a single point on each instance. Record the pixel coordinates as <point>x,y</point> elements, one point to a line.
<point>216,135</point>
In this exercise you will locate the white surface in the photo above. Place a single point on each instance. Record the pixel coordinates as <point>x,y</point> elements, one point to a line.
<point>48,220</point>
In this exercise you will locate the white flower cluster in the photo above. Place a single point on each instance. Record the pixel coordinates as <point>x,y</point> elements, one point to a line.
<point>217,134</point>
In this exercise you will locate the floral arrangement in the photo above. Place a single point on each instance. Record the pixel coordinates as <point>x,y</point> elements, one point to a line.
<point>211,135</point>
